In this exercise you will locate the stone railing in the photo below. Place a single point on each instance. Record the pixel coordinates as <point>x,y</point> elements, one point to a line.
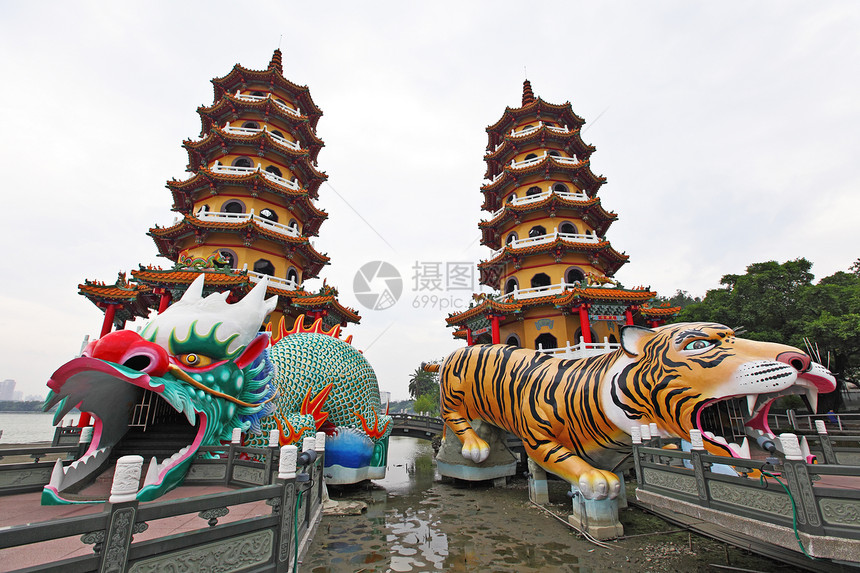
<point>264,541</point>
<point>415,425</point>
<point>276,282</point>
<point>540,197</point>
<point>258,220</point>
<point>581,350</point>
<point>290,110</point>
<point>254,131</point>
<point>548,238</point>
<point>818,503</point>
<point>236,170</point>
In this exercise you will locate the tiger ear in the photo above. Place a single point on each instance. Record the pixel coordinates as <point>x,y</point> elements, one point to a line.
<point>632,338</point>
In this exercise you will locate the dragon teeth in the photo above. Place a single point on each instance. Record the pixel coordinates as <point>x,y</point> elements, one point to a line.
<point>812,396</point>
<point>151,472</point>
<point>57,475</point>
<point>751,401</point>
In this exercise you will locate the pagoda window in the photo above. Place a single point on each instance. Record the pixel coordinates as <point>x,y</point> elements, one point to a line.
<point>511,197</point>
<point>242,162</point>
<point>541,280</point>
<point>612,339</point>
<point>559,188</point>
<point>529,126</point>
<point>258,94</point>
<point>278,133</point>
<point>274,170</point>
<point>265,267</point>
<point>574,275</point>
<point>554,154</point>
<point>511,285</point>
<point>251,125</point>
<point>513,340</point>
<point>230,256</point>
<point>294,225</point>
<point>578,336</point>
<point>269,215</point>
<point>546,341</point>
<point>537,231</point>
<point>567,228</point>
<point>511,238</point>
<point>293,276</point>
<point>233,206</point>
<point>534,191</point>
<point>531,156</point>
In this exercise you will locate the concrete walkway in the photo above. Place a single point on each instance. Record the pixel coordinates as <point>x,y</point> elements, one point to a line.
<point>25,509</point>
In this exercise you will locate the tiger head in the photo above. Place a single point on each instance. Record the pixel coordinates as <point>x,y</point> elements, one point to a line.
<point>673,374</point>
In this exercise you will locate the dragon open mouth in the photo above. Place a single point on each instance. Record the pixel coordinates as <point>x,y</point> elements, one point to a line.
<point>113,395</point>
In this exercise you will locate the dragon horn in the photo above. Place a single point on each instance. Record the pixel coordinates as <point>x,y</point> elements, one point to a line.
<point>194,292</point>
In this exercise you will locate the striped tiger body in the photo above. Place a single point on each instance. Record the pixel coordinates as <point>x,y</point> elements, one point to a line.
<point>573,416</point>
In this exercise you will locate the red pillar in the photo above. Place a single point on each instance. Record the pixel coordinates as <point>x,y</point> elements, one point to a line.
<point>628,315</point>
<point>110,312</point>
<point>469,340</point>
<point>494,321</point>
<point>164,302</point>
<point>84,420</point>
<point>584,324</point>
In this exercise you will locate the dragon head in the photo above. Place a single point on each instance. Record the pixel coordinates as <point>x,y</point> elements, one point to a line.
<point>198,368</point>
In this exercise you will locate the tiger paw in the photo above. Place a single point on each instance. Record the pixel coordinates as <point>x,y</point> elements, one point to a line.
<point>599,484</point>
<point>475,449</point>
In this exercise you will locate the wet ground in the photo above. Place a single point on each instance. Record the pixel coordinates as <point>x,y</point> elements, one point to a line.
<point>415,522</point>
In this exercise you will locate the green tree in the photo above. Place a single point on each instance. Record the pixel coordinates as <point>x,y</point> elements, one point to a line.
<point>421,382</point>
<point>779,303</point>
<point>427,403</point>
<point>681,298</point>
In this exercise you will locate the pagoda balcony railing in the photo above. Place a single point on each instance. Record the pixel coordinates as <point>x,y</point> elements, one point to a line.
<point>236,170</point>
<point>252,131</point>
<point>525,162</point>
<point>548,238</point>
<point>532,129</point>
<point>258,220</point>
<point>277,282</point>
<point>536,292</point>
<point>581,350</point>
<point>541,196</point>
<point>290,110</point>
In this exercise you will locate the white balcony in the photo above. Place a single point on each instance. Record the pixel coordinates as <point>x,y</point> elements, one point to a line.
<point>276,282</point>
<point>236,170</point>
<point>526,162</point>
<point>538,197</point>
<point>290,110</point>
<point>262,222</point>
<point>545,239</point>
<point>581,350</point>
<point>536,292</point>
<point>254,131</point>
<point>534,128</point>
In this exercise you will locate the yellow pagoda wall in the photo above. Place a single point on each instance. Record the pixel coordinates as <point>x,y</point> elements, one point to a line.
<point>548,320</point>
<point>216,204</point>
<point>546,264</point>
<point>251,154</point>
<point>248,255</point>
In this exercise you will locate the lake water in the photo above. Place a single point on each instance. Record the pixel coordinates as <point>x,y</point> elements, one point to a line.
<point>27,428</point>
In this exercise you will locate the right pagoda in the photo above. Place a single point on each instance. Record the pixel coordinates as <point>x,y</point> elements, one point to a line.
<point>551,261</point>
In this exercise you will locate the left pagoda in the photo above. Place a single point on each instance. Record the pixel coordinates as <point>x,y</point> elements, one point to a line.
<point>247,210</point>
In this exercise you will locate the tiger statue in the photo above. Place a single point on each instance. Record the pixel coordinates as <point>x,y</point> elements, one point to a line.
<point>574,416</point>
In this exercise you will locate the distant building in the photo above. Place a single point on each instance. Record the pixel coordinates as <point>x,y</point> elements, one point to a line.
<point>7,390</point>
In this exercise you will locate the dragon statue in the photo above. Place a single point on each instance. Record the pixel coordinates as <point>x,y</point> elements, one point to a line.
<point>574,416</point>
<point>208,362</point>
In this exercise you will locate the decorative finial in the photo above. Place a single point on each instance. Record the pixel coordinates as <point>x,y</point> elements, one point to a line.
<point>276,61</point>
<point>528,94</point>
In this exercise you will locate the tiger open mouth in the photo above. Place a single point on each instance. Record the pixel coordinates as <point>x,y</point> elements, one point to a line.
<point>748,414</point>
<point>109,392</point>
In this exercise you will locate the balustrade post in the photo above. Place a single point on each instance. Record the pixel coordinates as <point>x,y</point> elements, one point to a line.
<point>84,440</point>
<point>697,450</point>
<point>636,440</point>
<point>826,444</point>
<point>796,473</point>
<point>122,508</point>
<point>286,477</point>
<point>272,455</point>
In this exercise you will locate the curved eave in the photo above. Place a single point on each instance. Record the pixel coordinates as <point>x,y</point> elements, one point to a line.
<point>129,302</point>
<point>558,301</point>
<point>242,77</point>
<point>218,139</point>
<point>206,181</point>
<point>329,303</point>
<point>611,259</point>
<point>191,227</point>
<point>486,306</point>
<point>660,311</point>
<point>562,113</point>
<point>512,144</point>
<point>591,211</point>
<point>511,176</point>
<point>215,280</point>
<point>231,107</point>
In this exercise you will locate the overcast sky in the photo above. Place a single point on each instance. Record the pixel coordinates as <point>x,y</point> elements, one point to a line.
<point>728,133</point>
